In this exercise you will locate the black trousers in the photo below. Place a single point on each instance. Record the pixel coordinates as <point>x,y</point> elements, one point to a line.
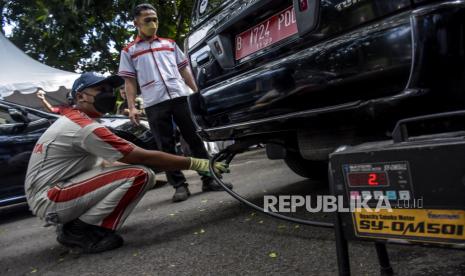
<point>161,117</point>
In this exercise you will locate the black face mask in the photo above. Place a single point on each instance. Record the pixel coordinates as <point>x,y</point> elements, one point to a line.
<point>104,102</point>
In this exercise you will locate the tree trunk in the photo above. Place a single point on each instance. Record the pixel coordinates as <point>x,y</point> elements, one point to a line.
<point>2,6</point>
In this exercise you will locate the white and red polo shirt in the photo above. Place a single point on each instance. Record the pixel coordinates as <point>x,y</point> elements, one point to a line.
<point>72,145</point>
<point>155,63</point>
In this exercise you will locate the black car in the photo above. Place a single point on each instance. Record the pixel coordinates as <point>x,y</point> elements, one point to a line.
<point>306,76</point>
<point>21,127</point>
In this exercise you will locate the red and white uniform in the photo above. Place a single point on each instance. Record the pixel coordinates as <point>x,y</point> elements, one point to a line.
<point>155,63</point>
<point>59,109</point>
<point>65,179</point>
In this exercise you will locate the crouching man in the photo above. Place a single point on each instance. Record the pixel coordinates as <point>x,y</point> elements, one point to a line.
<point>69,182</point>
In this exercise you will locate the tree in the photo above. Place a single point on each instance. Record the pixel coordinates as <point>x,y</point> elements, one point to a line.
<point>2,7</point>
<point>82,35</point>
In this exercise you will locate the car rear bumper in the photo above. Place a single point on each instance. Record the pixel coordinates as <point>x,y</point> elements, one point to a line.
<point>373,70</point>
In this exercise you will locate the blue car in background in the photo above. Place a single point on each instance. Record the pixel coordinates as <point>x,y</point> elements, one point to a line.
<point>21,127</point>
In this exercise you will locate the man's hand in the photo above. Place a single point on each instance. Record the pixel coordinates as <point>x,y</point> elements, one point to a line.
<point>41,95</point>
<point>201,166</point>
<point>134,115</point>
<point>188,77</point>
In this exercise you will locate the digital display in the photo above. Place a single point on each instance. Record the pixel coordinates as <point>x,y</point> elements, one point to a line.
<point>370,179</point>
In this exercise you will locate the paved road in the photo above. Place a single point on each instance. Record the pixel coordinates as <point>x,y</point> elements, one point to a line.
<point>212,234</point>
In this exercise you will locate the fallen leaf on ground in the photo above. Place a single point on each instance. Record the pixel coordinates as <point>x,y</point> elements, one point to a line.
<point>273,254</point>
<point>260,222</point>
<point>202,231</point>
<point>34,270</point>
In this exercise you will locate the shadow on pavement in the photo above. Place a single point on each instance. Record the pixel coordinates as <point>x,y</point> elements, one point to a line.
<point>171,230</point>
<point>14,213</point>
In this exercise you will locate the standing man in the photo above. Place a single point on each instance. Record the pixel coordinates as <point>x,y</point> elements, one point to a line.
<point>73,177</point>
<point>122,107</point>
<point>162,71</point>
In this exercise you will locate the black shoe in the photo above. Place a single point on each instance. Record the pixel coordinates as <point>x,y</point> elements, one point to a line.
<point>210,184</point>
<point>181,193</point>
<point>87,238</point>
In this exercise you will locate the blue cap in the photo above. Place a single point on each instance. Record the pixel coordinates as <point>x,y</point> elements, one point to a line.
<point>91,79</point>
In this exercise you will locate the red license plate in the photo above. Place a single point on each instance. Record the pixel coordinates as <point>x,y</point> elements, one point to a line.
<point>278,27</point>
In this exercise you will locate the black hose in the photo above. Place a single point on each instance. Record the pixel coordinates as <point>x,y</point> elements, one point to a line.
<point>227,155</point>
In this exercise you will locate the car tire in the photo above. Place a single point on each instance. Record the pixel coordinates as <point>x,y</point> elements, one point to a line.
<point>312,169</point>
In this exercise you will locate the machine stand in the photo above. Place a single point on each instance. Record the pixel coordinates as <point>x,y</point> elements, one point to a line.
<point>342,249</point>
<point>383,259</point>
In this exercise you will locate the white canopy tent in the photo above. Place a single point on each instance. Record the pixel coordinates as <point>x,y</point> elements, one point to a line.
<point>21,76</point>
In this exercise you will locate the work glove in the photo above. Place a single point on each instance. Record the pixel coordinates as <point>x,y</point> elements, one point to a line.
<point>201,166</point>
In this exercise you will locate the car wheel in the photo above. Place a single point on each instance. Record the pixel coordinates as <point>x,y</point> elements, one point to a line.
<point>313,169</point>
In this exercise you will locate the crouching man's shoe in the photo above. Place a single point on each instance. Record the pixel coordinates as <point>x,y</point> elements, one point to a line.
<point>87,238</point>
<point>210,184</point>
<point>181,193</point>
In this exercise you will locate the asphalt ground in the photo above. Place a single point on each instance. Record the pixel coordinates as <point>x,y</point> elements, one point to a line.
<point>213,234</point>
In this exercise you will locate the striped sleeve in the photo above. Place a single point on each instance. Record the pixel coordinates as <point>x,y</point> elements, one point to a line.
<point>181,59</point>
<point>126,67</point>
<point>100,141</point>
